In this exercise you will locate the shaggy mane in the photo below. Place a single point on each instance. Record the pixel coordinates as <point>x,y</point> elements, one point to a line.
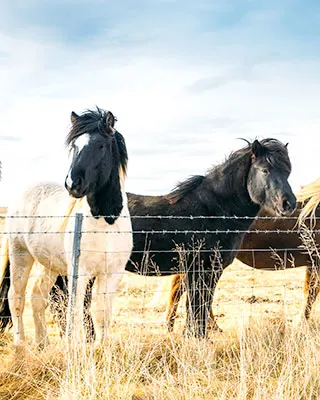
<point>93,122</point>
<point>185,187</point>
<point>275,153</point>
<point>309,196</point>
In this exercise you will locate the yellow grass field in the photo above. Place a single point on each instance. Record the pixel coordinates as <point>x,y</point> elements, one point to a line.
<point>264,351</point>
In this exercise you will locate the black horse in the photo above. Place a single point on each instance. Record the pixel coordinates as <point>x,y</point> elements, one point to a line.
<point>198,228</point>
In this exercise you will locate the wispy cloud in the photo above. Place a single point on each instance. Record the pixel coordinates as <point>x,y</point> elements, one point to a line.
<point>10,138</point>
<point>184,78</point>
<point>244,74</point>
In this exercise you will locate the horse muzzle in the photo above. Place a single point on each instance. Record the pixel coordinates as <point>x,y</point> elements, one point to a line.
<point>75,189</point>
<point>287,205</point>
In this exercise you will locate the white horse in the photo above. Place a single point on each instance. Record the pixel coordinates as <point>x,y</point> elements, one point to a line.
<point>37,234</point>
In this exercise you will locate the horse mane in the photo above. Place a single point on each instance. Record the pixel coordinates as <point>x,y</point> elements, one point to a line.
<point>123,154</point>
<point>275,153</point>
<point>309,196</point>
<point>91,121</point>
<point>185,187</point>
<point>95,121</point>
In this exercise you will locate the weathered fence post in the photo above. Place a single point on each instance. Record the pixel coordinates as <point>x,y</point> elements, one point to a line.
<point>73,279</point>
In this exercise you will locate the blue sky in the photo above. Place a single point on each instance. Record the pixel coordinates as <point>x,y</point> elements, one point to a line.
<point>184,78</point>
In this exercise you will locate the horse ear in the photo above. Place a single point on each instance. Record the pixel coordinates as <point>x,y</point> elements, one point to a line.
<point>110,120</point>
<point>73,117</point>
<point>257,149</point>
<point>286,145</point>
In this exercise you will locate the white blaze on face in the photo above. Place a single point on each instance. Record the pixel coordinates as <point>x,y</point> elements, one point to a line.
<point>78,146</point>
<point>69,180</point>
<point>81,142</point>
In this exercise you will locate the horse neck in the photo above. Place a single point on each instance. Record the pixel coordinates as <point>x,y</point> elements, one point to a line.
<point>85,207</point>
<point>227,189</point>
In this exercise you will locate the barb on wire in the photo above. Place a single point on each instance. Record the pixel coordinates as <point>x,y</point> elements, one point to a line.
<point>165,231</point>
<point>190,217</point>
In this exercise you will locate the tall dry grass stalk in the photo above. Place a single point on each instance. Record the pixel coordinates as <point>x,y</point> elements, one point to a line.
<point>266,360</point>
<point>261,358</point>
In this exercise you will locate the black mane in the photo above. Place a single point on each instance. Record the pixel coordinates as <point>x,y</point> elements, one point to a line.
<point>123,154</point>
<point>275,153</point>
<point>93,122</point>
<point>90,122</point>
<point>185,187</point>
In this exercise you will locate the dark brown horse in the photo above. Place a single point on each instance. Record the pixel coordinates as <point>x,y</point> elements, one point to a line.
<point>274,244</point>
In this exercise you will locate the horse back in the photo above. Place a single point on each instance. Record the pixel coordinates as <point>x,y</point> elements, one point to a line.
<point>275,243</point>
<point>34,224</point>
<point>164,245</point>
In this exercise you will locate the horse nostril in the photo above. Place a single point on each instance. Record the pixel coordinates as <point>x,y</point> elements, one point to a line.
<point>76,183</point>
<point>286,205</point>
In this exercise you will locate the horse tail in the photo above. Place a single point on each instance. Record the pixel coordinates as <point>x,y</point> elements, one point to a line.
<point>5,314</point>
<point>58,301</point>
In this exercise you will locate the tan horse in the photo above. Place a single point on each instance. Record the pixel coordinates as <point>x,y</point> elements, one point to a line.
<point>38,234</point>
<point>286,244</point>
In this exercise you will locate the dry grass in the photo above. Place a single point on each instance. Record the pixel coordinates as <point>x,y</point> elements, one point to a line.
<point>260,355</point>
<point>268,360</point>
<point>263,352</point>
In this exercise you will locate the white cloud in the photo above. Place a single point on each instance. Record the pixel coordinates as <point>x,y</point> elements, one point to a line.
<point>170,130</point>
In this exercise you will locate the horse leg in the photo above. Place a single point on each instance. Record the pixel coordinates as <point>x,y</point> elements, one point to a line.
<point>212,323</point>
<point>58,302</point>
<point>178,287</point>
<point>39,298</point>
<point>88,323</point>
<point>177,290</point>
<point>20,268</point>
<point>312,288</point>
<point>107,286</point>
<point>78,306</point>
<point>200,286</point>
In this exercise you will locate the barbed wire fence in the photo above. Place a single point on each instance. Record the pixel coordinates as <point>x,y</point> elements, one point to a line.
<point>237,297</point>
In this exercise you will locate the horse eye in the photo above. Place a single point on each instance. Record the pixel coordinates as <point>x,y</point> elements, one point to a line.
<point>101,147</point>
<point>265,171</point>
